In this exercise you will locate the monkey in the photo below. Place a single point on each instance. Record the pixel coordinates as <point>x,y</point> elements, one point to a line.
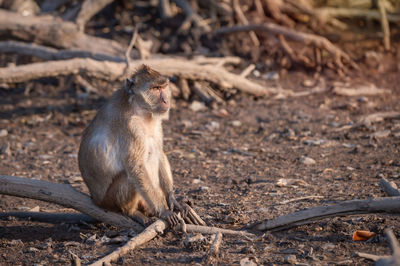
<point>121,155</point>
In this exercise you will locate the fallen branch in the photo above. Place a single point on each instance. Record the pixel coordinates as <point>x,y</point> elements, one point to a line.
<point>148,234</point>
<point>50,30</point>
<point>214,249</point>
<point>389,187</point>
<point>48,217</point>
<point>366,121</point>
<point>90,8</point>
<point>64,195</point>
<point>371,256</point>
<point>395,246</point>
<point>388,205</point>
<point>113,71</point>
<point>306,38</point>
<point>48,53</point>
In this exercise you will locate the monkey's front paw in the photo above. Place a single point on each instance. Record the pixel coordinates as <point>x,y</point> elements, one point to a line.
<point>170,217</point>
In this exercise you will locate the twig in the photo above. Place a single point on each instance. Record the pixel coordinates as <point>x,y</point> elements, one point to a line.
<point>371,256</point>
<point>190,16</point>
<point>184,87</point>
<point>389,187</point>
<point>64,195</point>
<point>148,234</point>
<point>86,85</point>
<point>90,8</point>
<point>388,205</point>
<point>214,249</point>
<point>75,260</point>
<point>128,51</point>
<point>244,21</point>
<point>306,38</point>
<point>213,230</point>
<point>49,53</point>
<point>300,198</point>
<point>113,71</point>
<point>275,12</point>
<point>247,70</point>
<point>366,121</point>
<point>384,24</point>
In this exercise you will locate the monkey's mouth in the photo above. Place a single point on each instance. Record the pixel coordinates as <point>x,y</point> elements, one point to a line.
<point>164,106</point>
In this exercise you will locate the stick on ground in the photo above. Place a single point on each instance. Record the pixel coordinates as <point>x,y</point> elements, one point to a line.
<point>389,187</point>
<point>388,205</point>
<point>214,249</point>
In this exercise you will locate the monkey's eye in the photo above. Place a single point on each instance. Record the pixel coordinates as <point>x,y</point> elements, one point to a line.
<point>156,88</point>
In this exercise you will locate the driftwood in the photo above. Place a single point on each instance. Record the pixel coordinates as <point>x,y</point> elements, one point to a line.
<point>54,31</point>
<point>389,187</point>
<point>388,205</point>
<point>113,71</point>
<point>306,38</point>
<point>64,195</point>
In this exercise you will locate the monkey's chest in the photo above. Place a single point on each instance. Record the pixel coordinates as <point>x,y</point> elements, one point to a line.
<point>153,156</point>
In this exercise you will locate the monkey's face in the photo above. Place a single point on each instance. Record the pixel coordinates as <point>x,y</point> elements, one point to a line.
<point>159,96</point>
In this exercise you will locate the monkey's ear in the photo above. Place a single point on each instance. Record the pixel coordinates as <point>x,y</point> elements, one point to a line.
<point>129,83</point>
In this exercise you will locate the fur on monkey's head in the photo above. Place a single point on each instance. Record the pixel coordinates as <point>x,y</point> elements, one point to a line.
<point>143,78</point>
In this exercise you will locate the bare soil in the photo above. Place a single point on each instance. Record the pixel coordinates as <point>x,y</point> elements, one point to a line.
<point>228,169</point>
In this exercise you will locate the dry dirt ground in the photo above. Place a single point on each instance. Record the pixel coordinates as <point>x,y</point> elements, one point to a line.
<point>227,166</point>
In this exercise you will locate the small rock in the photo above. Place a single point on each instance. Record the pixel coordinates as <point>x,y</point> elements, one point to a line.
<point>118,240</point>
<point>187,123</point>
<point>307,160</point>
<point>381,134</point>
<point>3,133</point>
<point>212,126</point>
<point>196,242</point>
<point>271,76</point>
<point>291,259</point>
<point>308,83</point>
<point>196,106</point>
<point>314,142</point>
<point>196,181</point>
<point>204,188</point>
<point>247,262</point>
<point>15,242</point>
<point>328,246</point>
<point>32,249</point>
<point>396,135</point>
<point>236,123</point>
<point>35,209</point>
<point>222,113</point>
<point>5,149</point>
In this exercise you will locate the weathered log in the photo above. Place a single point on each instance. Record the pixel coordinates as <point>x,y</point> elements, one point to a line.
<point>388,205</point>
<point>115,71</point>
<point>54,31</point>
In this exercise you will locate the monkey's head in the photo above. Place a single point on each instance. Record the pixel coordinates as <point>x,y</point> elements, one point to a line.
<point>150,90</point>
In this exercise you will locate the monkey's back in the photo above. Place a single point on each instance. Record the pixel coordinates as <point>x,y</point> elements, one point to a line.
<point>98,154</point>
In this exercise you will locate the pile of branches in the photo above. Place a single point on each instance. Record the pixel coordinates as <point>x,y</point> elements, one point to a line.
<point>61,33</point>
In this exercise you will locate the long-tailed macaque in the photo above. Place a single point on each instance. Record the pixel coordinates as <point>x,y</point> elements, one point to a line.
<point>121,155</point>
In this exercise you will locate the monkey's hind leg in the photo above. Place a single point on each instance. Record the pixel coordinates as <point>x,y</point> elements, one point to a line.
<point>140,217</point>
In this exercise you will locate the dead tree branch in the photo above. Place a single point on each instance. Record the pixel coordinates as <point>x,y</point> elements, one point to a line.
<point>48,53</point>
<point>90,8</point>
<point>114,71</point>
<point>64,195</point>
<point>389,187</point>
<point>50,30</point>
<point>214,249</point>
<point>148,234</point>
<point>302,37</point>
<point>395,246</point>
<point>388,205</point>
